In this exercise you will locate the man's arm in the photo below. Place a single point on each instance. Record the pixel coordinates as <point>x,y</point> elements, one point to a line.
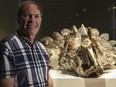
<point>7,82</point>
<point>50,82</point>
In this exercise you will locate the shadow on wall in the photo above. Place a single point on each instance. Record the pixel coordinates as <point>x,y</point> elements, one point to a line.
<point>8,11</point>
<point>2,34</point>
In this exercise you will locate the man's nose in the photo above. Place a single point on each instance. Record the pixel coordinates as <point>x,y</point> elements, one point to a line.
<point>32,18</point>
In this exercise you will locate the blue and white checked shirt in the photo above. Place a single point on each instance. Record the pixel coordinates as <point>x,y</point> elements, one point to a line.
<point>26,62</point>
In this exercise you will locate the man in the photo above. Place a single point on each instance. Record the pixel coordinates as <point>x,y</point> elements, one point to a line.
<point>24,60</point>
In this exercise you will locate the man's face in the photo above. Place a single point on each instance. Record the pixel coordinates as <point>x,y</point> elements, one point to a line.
<point>30,20</point>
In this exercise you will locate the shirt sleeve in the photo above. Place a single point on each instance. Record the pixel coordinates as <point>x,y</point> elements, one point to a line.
<point>43,48</point>
<point>6,62</point>
<point>44,52</point>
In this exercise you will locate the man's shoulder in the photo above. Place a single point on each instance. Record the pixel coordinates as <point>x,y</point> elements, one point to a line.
<point>7,39</point>
<point>40,44</point>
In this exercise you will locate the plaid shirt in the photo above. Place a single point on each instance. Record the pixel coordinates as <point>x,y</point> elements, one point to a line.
<point>26,62</point>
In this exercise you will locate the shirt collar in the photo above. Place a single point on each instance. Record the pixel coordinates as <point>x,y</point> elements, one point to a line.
<point>23,37</point>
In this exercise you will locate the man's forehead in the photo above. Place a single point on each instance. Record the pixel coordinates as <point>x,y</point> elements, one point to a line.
<point>30,7</point>
<point>34,12</point>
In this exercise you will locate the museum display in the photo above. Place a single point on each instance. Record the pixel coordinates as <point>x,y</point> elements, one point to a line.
<point>83,51</point>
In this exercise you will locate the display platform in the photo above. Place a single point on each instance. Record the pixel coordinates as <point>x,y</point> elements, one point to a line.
<point>64,80</point>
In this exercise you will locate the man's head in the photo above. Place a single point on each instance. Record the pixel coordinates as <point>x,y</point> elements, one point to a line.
<point>29,17</point>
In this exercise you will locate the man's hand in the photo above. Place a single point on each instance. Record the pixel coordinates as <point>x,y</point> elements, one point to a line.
<point>7,82</point>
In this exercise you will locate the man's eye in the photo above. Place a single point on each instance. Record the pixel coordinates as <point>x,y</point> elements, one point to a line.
<point>37,16</point>
<point>25,15</point>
